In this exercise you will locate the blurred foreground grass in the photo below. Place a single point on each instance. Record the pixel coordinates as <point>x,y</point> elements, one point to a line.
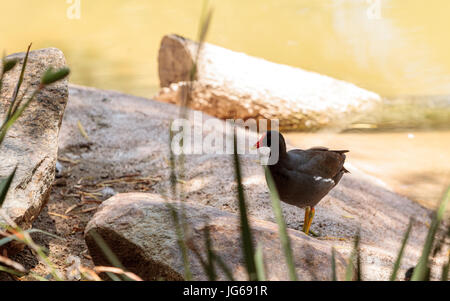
<point>254,263</point>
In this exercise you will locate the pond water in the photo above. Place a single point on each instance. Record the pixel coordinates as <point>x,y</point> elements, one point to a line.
<point>390,47</point>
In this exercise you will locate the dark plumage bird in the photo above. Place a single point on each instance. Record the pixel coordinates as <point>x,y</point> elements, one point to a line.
<point>303,177</point>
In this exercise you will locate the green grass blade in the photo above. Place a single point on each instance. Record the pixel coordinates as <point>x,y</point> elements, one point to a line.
<point>4,186</point>
<point>333,265</point>
<point>27,240</point>
<point>7,66</point>
<point>445,269</point>
<point>400,253</point>
<point>259,260</point>
<point>224,267</point>
<point>113,276</point>
<point>51,75</point>
<point>205,20</point>
<point>30,231</point>
<point>349,271</point>
<point>11,271</point>
<point>212,257</point>
<point>358,257</point>
<point>173,174</point>
<point>422,269</point>
<point>21,98</point>
<point>204,24</point>
<point>210,269</point>
<point>10,238</point>
<point>179,231</point>
<point>282,229</point>
<point>18,85</point>
<point>15,115</point>
<point>178,221</point>
<point>38,277</point>
<point>354,257</point>
<point>112,258</point>
<point>199,257</point>
<point>246,235</point>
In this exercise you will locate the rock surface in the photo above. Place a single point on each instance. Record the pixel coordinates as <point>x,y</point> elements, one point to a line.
<point>234,85</point>
<point>32,143</point>
<point>139,228</point>
<point>130,136</point>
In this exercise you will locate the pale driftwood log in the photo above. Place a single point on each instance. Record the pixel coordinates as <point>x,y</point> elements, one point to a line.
<point>234,85</point>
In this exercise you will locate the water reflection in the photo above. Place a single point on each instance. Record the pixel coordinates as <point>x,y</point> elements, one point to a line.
<point>114,45</point>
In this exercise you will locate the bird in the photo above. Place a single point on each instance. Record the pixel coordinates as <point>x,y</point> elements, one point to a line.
<point>303,177</point>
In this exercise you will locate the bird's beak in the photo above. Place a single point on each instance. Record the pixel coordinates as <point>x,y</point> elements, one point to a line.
<point>256,146</point>
<point>259,143</point>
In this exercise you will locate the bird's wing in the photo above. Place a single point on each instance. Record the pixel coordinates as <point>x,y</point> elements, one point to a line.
<point>297,186</point>
<point>318,162</point>
<point>326,149</point>
<point>319,148</point>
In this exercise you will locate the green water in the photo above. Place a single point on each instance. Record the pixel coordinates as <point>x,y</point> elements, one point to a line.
<point>114,44</point>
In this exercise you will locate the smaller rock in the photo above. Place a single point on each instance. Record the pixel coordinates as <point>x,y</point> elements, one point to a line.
<point>108,192</point>
<point>139,230</point>
<point>59,170</point>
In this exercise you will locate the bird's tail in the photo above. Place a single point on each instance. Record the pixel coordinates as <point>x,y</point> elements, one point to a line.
<point>340,151</point>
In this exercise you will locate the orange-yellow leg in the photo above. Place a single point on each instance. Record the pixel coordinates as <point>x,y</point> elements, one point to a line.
<point>309,215</point>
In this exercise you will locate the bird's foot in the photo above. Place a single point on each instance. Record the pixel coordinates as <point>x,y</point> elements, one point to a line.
<point>314,234</point>
<point>332,238</point>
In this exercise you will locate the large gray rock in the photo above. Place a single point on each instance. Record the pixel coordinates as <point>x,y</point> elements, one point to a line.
<point>131,136</point>
<point>32,142</point>
<point>140,231</point>
<point>235,85</point>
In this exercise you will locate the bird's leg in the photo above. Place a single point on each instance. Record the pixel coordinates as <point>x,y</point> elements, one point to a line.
<point>305,222</point>
<point>309,215</point>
